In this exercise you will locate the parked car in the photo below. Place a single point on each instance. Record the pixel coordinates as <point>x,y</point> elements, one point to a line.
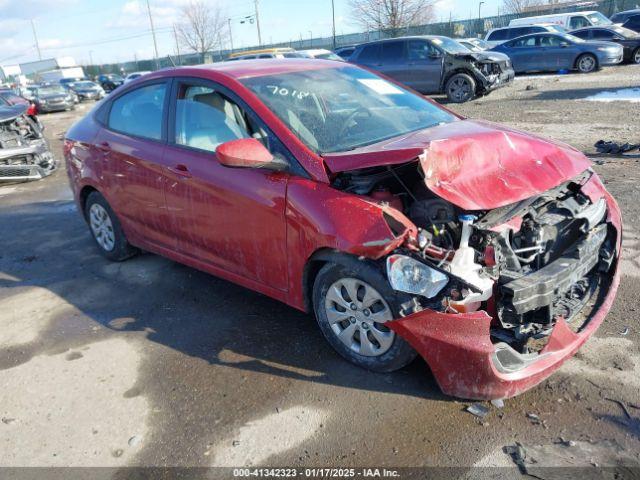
<point>134,75</point>
<point>547,52</point>
<point>497,36</point>
<point>345,52</point>
<point>633,23</point>
<point>24,152</point>
<point>264,53</point>
<point>110,82</point>
<point>627,39</point>
<point>622,17</point>
<point>474,44</point>
<point>434,64</point>
<point>68,81</point>
<point>400,224</point>
<point>87,90</point>
<point>52,98</point>
<point>569,21</point>
<point>321,54</point>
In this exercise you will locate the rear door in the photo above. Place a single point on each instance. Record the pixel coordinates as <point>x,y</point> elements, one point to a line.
<point>132,145</point>
<point>525,54</point>
<point>425,66</point>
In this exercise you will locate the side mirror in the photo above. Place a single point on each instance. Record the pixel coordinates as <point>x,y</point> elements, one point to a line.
<point>247,153</point>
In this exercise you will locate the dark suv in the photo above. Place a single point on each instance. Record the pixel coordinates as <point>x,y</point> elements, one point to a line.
<point>434,64</point>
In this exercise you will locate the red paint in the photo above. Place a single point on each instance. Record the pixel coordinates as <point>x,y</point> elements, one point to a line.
<point>260,228</point>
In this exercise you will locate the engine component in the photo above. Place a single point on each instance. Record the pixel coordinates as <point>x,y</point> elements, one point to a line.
<point>438,218</point>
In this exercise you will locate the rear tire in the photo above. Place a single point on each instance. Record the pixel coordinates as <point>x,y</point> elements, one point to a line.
<point>106,229</point>
<point>460,88</point>
<point>363,317</point>
<point>587,63</point>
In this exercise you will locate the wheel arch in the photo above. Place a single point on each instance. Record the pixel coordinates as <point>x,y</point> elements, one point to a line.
<point>84,195</point>
<point>319,259</point>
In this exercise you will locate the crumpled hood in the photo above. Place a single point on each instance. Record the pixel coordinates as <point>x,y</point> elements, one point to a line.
<point>475,165</point>
<point>485,56</point>
<point>11,112</point>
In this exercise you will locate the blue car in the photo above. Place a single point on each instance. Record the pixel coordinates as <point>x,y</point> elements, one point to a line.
<point>551,52</point>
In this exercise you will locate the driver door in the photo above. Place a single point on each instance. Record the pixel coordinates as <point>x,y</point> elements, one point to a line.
<point>425,66</point>
<point>227,218</point>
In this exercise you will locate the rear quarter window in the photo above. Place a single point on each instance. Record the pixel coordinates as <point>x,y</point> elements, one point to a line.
<point>498,35</point>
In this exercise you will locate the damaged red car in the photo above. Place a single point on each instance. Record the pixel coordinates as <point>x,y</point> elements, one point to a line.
<point>406,229</point>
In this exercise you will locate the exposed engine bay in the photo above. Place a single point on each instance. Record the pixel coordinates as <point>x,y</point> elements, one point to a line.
<point>24,152</point>
<point>525,264</point>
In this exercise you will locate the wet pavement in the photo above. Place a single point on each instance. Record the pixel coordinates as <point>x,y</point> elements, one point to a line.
<point>152,363</point>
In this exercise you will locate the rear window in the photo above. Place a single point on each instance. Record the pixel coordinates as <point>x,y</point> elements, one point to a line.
<point>369,54</point>
<point>139,112</point>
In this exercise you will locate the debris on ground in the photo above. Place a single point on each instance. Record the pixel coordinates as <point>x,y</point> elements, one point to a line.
<point>614,148</point>
<point>498,403</point>
<point>478,410</point>
<point>549,462</point>
<point>625,332</point>
<point>535,419</point>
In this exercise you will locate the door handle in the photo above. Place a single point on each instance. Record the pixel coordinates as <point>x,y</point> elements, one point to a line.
<point>104,147</point>
<point>180,170</point>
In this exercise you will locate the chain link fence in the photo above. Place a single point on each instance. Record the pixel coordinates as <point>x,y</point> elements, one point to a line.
<point>455,28</point>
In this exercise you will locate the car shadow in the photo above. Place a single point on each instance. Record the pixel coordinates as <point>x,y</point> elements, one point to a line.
<point>577,93</point>
<point>48,245</point>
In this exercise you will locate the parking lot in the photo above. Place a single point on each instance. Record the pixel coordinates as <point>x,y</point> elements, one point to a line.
<point>151,363</point>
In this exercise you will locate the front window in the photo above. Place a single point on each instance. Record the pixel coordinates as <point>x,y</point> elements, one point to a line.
<point>340,109</point>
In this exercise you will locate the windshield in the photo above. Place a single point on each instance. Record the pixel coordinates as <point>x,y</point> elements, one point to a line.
<point>51,91</point>
<point>625,32</point>
<point>340,109</point>
<point>84,84</point>
<point>117,78</point>
<point>329,56</point>
<point>449,45</point>
<point>599,19</point>
<point>557,28</point>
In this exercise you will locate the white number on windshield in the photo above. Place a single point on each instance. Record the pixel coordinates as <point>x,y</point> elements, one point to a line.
<point>285,92</point>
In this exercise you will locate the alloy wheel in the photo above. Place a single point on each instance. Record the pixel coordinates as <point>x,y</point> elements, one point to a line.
<point>102,227</point>
<point>587,64</point>
<point>357,314</point>
<point>460,89</point>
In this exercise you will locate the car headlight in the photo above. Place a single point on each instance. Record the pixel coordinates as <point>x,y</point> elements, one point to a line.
<point>609,49</point>
<point>411,276</point>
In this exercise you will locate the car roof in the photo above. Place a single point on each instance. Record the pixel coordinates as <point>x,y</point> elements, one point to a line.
<point>241,69</point>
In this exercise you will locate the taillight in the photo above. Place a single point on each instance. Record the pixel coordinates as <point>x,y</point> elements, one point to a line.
<point>67,146</point>
<point>32,111</point>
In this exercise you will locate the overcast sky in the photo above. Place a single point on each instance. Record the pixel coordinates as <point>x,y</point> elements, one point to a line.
<point>84,28</point>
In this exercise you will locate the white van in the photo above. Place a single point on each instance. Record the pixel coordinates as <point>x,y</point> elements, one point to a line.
<point>570,21</point>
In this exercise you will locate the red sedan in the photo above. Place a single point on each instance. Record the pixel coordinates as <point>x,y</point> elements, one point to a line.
<point>405,228</point>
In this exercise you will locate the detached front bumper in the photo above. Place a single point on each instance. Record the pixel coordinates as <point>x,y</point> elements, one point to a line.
<point>467,364</point>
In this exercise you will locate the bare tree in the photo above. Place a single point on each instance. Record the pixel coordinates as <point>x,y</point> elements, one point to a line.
<point>520,6</point>
<point>203,27</point>
<point>392,15</point>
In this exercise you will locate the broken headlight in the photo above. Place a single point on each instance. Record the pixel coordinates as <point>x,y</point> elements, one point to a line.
<point>411,276</point>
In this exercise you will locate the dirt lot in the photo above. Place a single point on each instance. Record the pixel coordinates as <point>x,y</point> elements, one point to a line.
<point>152,363</point>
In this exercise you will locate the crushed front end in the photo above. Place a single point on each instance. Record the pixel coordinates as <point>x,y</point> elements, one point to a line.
<point>497,297</point>
<point>24,152</point>
<point>547,277</point>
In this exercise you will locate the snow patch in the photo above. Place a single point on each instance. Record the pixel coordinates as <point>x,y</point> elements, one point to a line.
<point>621,95</point>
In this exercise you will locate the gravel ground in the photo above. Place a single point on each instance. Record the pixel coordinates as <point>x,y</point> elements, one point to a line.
<point>151,363</point>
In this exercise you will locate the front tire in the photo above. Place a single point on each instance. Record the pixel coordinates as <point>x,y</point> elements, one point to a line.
<point>587,63</point>
<point>352,305</point>
<point>460,88</point>
<point>106,229</point>
<point>635,58</point>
